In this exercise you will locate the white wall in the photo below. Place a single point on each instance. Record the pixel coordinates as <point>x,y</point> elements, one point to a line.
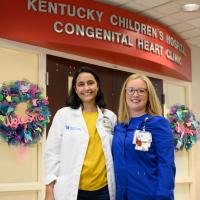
<point>196,81</point>
<point>195,92</point>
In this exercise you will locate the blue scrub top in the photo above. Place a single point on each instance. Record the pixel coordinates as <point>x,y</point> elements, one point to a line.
<point>144,175</point>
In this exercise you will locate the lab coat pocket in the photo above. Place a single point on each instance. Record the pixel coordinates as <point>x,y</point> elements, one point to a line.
<point>60,188</point>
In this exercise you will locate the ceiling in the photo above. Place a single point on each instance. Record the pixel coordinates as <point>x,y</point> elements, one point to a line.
<point>169,13</point>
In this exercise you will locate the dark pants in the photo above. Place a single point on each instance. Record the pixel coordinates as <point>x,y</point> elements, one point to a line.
<point>101,194</point>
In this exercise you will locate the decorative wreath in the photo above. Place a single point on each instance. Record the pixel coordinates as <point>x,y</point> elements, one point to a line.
<point>185,127</point>
<point>23,113</point>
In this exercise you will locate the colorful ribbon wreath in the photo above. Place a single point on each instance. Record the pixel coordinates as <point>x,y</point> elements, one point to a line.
<point>184,126</point>
<point>25,126</point>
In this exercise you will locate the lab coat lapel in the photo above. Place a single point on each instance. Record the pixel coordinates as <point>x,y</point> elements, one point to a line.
<point>81,120</point>
<point>100,113</point>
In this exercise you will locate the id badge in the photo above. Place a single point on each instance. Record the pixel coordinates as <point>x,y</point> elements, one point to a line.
<point>142,140</point>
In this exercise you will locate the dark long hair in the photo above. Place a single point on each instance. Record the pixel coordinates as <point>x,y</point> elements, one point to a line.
<point>74,101</point>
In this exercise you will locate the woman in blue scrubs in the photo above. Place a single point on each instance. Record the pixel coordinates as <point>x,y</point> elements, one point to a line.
<point>143,148</point>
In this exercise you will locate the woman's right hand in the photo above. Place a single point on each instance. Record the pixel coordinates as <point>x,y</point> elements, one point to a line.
<point>49,197</point>
<point>49,192</point>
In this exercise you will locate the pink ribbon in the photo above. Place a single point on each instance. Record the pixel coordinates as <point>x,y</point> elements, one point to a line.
<point>180,128</point>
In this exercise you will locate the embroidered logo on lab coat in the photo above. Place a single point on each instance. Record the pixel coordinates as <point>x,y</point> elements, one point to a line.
<point>72,128</point>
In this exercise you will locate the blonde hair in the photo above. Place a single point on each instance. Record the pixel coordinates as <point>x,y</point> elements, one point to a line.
<point>153,106</point>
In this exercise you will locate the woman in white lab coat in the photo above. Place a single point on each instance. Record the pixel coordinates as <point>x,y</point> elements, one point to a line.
<point>78,158</point>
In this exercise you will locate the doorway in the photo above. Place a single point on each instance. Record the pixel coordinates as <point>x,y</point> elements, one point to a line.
<point>61,70</point>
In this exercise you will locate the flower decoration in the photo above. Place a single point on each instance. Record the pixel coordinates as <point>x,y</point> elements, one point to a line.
<point>24,113</point>
<point>184,126</point>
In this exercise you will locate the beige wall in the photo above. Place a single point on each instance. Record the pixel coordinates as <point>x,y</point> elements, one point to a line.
<point>177,92</point>
<point>196,109</point>
<point>17,65</point>
<point>20,176</point>
<point>188,168</point>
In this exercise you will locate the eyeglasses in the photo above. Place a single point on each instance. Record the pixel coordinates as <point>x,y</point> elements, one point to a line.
<point>132,90</point>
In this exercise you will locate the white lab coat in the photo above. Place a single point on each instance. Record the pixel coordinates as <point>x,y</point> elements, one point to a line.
<point>66,147</point>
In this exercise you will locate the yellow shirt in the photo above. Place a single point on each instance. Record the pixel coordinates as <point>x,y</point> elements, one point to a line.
<point>93,174</point>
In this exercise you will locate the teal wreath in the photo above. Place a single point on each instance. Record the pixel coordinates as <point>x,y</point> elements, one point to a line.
<point>184,126</point>
<point>27,128</point>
